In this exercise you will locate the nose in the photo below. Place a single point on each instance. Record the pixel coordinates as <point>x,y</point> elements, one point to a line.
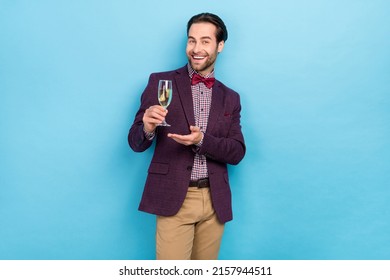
<point>197,48</point>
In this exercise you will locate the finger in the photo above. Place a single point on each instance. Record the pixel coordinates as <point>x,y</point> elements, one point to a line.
<point>182,139</point>
<point>156,114</point>
<point>158,108</point>
<point>152,121</point>
<point>176,136</point>
<point>154,111</point>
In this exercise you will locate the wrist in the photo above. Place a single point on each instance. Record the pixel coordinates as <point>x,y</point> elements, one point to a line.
<point>148,135</point>
<point>200,142</point>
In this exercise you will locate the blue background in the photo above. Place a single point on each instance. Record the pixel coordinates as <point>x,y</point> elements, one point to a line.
<point>314,79</point>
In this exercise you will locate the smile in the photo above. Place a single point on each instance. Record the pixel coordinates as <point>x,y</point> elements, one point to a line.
<point>198,57</point>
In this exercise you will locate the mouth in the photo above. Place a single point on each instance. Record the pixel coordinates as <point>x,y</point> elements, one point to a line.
<point>198,57</point>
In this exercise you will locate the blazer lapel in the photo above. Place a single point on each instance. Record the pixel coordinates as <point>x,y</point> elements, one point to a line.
<point>216,108</point>
<point>184,93</point>
<point>183,89</point>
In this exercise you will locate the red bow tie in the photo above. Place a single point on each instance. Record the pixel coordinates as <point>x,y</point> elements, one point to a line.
<point>208,82</point>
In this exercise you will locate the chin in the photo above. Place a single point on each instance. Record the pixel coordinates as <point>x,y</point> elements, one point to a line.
<point>199,67</point>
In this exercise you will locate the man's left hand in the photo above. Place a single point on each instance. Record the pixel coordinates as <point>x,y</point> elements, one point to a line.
<point>190,139</point>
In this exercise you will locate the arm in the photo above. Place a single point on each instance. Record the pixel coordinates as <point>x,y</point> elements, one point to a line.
<point>230,149</point>
<point>147,118</point>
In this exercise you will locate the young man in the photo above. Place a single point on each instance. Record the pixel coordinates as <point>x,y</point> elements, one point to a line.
<point>187,186</point>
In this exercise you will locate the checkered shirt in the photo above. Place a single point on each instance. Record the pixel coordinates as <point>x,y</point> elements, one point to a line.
<point>201,96</point>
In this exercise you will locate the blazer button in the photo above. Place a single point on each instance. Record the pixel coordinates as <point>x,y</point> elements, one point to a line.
<point>189,168</point>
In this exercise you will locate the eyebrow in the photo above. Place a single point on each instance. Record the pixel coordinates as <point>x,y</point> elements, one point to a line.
<point>201,38</point>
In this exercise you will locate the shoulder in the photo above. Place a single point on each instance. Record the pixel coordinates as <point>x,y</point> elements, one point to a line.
<point>227,90</point>
<point>171,73</point>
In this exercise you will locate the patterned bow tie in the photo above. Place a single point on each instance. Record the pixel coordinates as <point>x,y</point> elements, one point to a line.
<point>208,82</point>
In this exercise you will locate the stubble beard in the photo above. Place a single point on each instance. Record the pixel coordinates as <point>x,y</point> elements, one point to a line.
<point>208,65</point>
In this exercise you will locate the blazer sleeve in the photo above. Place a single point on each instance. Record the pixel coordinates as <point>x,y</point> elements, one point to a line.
<point>229,148</point>
<point>136,137</point>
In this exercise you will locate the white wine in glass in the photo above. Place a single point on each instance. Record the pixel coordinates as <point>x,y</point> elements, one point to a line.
<point>164,96</point>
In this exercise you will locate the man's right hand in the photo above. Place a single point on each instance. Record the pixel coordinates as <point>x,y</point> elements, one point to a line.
<point>153,116</point>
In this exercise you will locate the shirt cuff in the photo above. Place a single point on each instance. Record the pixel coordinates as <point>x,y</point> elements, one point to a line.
<point>149,135</point>
<point>196,147</point>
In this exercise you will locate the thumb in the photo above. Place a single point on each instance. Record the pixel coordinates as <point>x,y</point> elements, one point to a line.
<point>194,128</point>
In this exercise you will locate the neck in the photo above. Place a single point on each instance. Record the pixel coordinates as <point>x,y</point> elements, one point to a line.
<point>205,75</point>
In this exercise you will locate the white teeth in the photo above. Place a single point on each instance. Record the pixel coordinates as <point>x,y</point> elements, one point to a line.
<point>198,57</point>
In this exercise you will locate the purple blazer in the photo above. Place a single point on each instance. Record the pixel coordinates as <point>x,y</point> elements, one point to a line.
<point>170,168</point>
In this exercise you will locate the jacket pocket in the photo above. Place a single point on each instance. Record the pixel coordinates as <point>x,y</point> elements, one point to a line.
<point>223,125</point>
<point>158,168</point>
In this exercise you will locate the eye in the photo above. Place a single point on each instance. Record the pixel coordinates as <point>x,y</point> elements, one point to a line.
<point>190,41</point>
<point>205,42</point>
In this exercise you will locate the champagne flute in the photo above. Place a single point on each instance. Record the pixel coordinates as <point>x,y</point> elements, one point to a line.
<point>164,96</point>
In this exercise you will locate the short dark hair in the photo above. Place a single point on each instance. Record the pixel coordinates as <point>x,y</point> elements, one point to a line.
<point>222,33</point>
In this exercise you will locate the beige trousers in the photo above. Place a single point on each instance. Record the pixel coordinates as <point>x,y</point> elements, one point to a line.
<point>193,233</point>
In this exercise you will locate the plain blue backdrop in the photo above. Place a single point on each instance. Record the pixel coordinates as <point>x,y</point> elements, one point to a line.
<point>314,80</point>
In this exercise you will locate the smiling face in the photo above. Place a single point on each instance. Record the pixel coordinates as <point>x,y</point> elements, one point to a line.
<point>202,47</point>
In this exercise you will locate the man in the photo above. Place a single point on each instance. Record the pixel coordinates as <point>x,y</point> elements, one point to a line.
<point>187,186</point>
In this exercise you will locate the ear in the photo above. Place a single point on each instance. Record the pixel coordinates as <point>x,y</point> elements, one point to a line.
<point>220,46</point>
